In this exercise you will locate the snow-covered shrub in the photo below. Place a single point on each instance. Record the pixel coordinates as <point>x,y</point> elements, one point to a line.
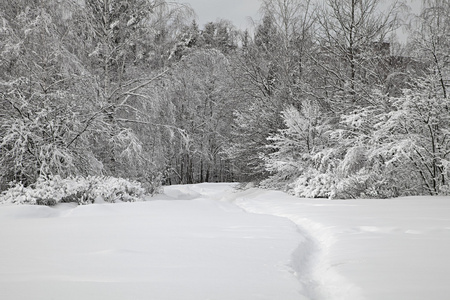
<point>292,148</point>
<point>314,184</point>
<point>366,183</point>
<point>81,190</point>
<point>112,189</point>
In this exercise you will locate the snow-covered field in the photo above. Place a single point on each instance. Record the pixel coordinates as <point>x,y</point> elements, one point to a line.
<point>209,241</point>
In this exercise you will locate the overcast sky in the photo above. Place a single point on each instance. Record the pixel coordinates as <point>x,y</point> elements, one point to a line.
<point>238,11</point>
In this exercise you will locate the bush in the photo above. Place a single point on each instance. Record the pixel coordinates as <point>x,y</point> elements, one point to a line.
<point>313,184</point>
<point>80,190</point>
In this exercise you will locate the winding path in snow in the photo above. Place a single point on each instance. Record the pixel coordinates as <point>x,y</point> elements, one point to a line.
<point>368,249</point>
<point>309,261</point>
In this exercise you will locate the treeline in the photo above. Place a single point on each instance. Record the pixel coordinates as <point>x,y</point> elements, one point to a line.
<point>320,100</point>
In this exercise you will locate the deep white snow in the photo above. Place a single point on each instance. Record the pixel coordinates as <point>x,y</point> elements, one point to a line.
<point>391,249</point>
<point>209,241</point>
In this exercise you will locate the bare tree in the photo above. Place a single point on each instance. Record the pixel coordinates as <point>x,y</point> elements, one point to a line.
<point>354,39</point>
<point>430,39</point>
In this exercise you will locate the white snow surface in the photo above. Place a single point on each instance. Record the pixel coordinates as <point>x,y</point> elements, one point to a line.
<point>210,241</point>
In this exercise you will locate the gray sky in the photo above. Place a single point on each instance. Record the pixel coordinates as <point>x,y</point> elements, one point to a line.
<point>238,11</point>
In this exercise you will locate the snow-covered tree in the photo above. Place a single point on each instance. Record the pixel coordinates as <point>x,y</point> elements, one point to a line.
<point>47,99</point>
<point>198,104</point>
<point>75,80</point>
<point>400,146</point>
<point>270,73</point>
<point>417,135</point>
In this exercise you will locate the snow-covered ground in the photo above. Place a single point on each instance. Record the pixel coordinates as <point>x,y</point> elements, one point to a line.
<point>209,241</point>
<point>370,249</point>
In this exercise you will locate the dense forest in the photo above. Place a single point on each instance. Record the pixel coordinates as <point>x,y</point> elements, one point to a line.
<point>319,99</point>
